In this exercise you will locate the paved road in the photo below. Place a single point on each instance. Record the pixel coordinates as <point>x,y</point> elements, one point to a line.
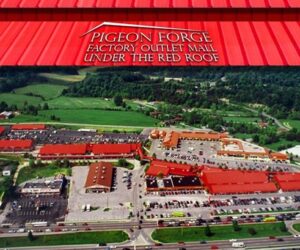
<point>250,244</point>
<point>276,121</point>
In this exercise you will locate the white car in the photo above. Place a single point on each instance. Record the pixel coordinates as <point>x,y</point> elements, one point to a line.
<point>233,240</point>
<point>296,235</point>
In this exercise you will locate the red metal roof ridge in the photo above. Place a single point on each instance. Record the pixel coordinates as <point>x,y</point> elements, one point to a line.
<point>149,4</point>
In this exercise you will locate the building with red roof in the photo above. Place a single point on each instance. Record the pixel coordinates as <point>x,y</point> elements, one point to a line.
<point>233,177</point>
<point>288,181</point>
<point>172,138</point>
<point>2,129</point>
<point>165,168</point>
<point>28,127</point>
<point>88,151</point>
<point>99,178</point>
<point>123,149</point>
<point>236,181</point>
<point>242,188</point>
<point>52,151</point>
<point>16,145</point>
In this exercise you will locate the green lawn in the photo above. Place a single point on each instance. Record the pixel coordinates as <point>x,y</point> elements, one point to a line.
<point>297,227</point>
<point>48,91</point>
<point>241,119</point>
<point>28,173</point>
<point>66,239</point>
<point>169,235</point>
<point>100,117</point>
<point>19,100</point>
<point>64,102</point>
<point>80,103</point>
<point>275,146</point>
<point>292,123</point>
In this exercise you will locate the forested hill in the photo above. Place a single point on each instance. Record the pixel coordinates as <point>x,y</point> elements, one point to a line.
<point>16,77</point>
<point>276,87</point>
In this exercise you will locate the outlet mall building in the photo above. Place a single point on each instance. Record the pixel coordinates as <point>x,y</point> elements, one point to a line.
<point>149,32</point>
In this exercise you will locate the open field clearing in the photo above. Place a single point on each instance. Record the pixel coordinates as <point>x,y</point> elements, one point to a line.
<point>292,124</point>
<point>63,77</point>
<point>80,103</point>
<point>241,119</point>
<point>101,117</point>
<point>48,91</point>
<point>19,100</point>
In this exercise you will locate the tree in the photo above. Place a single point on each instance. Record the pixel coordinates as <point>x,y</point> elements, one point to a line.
<point>236,226</point>
<point>39,163</point>
<point>30,236</point>
<point>283,227</point>
<point>122,162</point>
<point>31,163</point>
<point>118,100</point>
<point>207,231</point>
<point>251,231</point>
<point>66,163</point>
<point>45,106</point>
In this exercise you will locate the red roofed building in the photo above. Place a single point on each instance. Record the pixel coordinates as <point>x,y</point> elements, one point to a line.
<point>50,151</point>
<point>242,188</point>
<point>2,129</point>
<point>88,151</point>
<point>28,127</point>
<point>157,170</point>
<point>99,178</point>
<point>233,177</point>
<point>15,145</point>
<point>172,138</point>
<point>169,168</point>
<point>288,181</point>
<point>236,182</point>
<point>117,150</point>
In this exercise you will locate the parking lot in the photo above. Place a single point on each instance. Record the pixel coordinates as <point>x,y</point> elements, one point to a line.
<point>197,204</point>
<point>114,205</point>
<point>196,152</point>
<point>35,208</point>
<point>63,136</point>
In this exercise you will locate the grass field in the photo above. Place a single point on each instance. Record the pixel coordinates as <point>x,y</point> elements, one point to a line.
<point>80,103</point>
<point>101,117</point>
<point>169,235</point>
<point>282,142</point>
<point>241,119</point>
<point>291,123</point>
<point>48,91</point>
<point>28,173</point>
<point>19,100</point>
<point>297,227</point>
<point>66,239</point>
<point>63,77</point>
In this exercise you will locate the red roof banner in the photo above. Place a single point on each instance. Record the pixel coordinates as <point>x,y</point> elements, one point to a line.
<point>192,43</point>
<point>149,32</point>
